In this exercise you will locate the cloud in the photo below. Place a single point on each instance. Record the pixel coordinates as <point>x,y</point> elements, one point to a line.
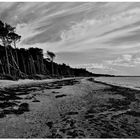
<point>122,28</point>
<point>92,66</point>
<point>56,22</point>
<point>100,35</point>
<point>126,60</point>
<point>132,37</point>
<point>72,24</point>
<point>98,68</point>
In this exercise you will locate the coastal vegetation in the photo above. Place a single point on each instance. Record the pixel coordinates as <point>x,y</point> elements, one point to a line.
<point>30,63</point>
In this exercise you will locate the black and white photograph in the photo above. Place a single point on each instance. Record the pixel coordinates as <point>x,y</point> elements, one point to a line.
<point>69,69</point>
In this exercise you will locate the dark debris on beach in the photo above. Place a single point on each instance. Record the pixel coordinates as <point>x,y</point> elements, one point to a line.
<point>10,98</point>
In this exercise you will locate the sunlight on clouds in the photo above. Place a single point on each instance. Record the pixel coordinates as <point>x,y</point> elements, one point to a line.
<point>26,31</point>
<point>80,27</point>
<point>126,60</point>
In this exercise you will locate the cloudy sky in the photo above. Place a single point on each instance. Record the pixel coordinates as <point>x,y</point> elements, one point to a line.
<point>102,37</point>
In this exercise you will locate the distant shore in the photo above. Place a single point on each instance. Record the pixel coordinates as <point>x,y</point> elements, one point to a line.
<point>116,84</point>
<point>69,108</point>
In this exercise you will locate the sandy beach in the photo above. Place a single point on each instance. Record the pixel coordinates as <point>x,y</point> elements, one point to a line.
<point>69,108</point>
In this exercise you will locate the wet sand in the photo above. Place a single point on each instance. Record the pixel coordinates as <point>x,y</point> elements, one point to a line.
<point>71,108</point>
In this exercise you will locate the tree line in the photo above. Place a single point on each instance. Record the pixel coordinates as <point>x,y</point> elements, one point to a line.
<point>29,63</point>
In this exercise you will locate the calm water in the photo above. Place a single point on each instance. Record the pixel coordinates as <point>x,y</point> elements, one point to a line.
<point>133,82</point>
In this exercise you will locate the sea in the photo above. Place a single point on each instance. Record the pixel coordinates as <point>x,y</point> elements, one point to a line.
<point>131,82</point>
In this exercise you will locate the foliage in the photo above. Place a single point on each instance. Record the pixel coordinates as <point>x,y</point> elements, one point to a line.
<point>25,63</point>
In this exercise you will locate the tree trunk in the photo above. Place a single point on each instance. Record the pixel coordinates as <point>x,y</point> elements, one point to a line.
<point>41,65</point>
<point>28,65</point>
<point>33,65</point>
<point>24,66</point>
<point>3,72</point>
<point>7,60</point>
<point>16,53</point>
<point>38,64</point>
<point>16,64</point>
<point>52,68</point>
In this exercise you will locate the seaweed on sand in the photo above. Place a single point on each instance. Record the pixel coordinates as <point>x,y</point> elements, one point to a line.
<point>59,96</point>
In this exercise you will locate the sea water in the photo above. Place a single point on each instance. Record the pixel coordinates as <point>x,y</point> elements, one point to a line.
<point>132,82</point>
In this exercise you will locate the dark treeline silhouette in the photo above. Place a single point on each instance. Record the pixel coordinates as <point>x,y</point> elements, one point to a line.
<point>32,64</point>
<point>29,63</point>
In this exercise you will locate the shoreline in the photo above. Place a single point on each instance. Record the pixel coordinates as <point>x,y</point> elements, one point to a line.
<point>72,108</point>
<point>117,85</point>
<point>29,82</point>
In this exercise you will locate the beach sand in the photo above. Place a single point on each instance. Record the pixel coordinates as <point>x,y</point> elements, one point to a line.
<point>69,108</point>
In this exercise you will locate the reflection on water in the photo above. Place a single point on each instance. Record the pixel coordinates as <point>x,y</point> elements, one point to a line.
<point>133,82</point>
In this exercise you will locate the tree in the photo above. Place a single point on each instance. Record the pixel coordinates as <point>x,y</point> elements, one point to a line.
<point>23,54</point>
<point>4,31</point>
<point>51,56</point>
<point>13,38</point>
<point>8,36</point>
